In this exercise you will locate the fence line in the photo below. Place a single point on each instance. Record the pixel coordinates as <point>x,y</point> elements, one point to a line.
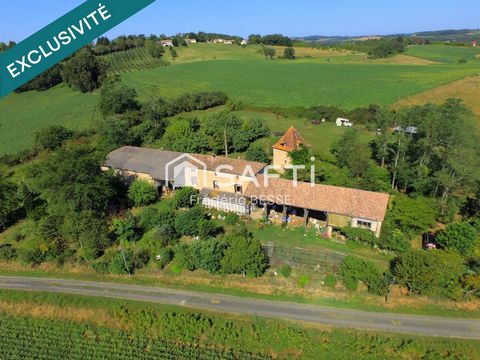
<point>324,261</point>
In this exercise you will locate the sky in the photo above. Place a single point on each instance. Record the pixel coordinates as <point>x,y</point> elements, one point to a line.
<point>21,19</point>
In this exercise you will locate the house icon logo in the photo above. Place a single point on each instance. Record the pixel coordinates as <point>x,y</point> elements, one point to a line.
<point>185,170</point>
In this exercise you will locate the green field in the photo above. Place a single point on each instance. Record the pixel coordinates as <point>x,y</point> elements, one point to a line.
<point>445,53</point>
<point>245,76</point>
<point>283,83</point>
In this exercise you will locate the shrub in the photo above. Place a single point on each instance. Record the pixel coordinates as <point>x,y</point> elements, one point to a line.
<point>125,228</point>
<point>149,218</point>
<point>360,235</point>
<point>208,255</point>
<point>303,281</point>
<point>121,263</point>
<point>84,71</point>
<point>187,222</point>
<point>185,198</point>
<point>116,98</point>
<point>231,218</point>
<point>434,273</point>
<point>208,229</point>
<point>286,271</point>
<point>354,270</point>
<point>184,258</point>
<point>461,237</point>
<point>330,281</point>
<point>244,256</point>
<point>256,152</point>
<point>31,256</point>
<point>142,193</point>
<point>52,137</point>
<point>101,266</point>
<point>165,256</point>
<point>166,234</point>
<point>7,252</point>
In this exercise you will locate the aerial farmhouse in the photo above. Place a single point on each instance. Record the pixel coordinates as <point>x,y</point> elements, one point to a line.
<point>246,187</point>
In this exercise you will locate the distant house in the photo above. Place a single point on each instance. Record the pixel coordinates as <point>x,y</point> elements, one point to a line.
<point>166,43</point>
<point>191,41</point>
<point>289,142</point>
<point>474,43</point>
<point>218,41</point>
<point>228,42</point>
<point>244,42</point>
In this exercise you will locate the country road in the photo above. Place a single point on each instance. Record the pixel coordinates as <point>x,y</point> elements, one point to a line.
<point>336,317</point>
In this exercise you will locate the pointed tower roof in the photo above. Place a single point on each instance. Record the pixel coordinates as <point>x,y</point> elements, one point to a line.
<point>290,141</point>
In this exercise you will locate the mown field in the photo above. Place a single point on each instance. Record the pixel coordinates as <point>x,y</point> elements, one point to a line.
<point>445,53</point>
<point>319,77</point>
<point>52,326</point>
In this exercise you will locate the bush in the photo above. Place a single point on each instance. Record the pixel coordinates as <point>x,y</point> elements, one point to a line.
<point>121,263</point>
<point>184,258</point>
<point>125,228</point>
<point>286,271</point>
<point>31,256</point>
<point>165,256</point>
<point>231,218</point>
<point>208,255</point>
<point>461,237</point>
<point>149,218</point>
<point>52,137</point>
<point>434,273</point>
<point>116,98</point>
<point>354,270</point>
<point>360,235</point>
<point>244,256</point>
<point>185,198</point>
<point>142,193</point>
<point>7,252</point>
<point>303,281</point>
<point>330,281</point>
<point>256,152</point>
<point>187,222</point>
<point>166,234</point>
<point>208,229</point>
<point>100,266</point>
<point>84,71</point>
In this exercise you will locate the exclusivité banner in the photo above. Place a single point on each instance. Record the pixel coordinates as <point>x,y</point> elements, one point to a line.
<point>62,38</point>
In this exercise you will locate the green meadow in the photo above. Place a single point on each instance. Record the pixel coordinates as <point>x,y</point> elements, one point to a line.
<point>245,76</point>
<point>445,53</point>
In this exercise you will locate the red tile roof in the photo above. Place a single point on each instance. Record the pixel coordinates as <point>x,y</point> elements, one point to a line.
<point>332,199</point>
<point>290,141</point>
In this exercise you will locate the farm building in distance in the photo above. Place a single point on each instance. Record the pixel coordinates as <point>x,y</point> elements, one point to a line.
<point>245,187</point>
<point>166,43</point>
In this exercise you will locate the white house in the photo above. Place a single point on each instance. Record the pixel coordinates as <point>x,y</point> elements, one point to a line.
<point>228,42</point>
<point>166,43</point>
<point>191,41</point>
<point>218,41</point>
<point>244,42</point>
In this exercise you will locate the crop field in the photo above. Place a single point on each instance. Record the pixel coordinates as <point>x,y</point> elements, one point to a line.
<point>23,114</point>
<point>445,53</point>
<point>53,326</point>
<point>132,60</point>
<point>282,83</point>
<point>467,89</point>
